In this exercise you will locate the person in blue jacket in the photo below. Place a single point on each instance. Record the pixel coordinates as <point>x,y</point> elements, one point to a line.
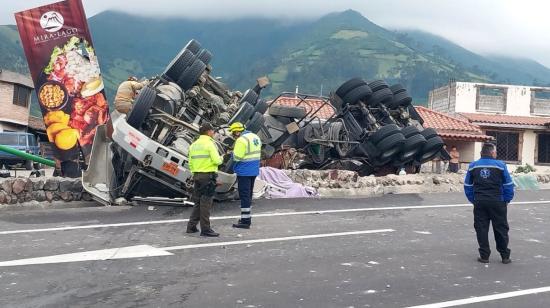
<point>489,187</point>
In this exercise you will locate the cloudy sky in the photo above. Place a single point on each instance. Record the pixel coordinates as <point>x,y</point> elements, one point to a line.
<point>503,27</point>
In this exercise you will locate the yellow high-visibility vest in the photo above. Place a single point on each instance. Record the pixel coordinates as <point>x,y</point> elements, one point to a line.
<point>248,147</point>
<point>204,156</point>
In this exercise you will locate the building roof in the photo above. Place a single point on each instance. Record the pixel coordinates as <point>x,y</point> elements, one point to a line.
<point>325,111</point>
<point>451,127</point>
<point>501,119</point>
<point>37,123</point>
<point>12,77</point>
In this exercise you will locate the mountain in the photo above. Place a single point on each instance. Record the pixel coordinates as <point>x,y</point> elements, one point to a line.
<point>316,55</point>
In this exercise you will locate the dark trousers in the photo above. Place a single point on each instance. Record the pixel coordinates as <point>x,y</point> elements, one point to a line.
<point>246,188</point>
<point>453,167</point>
<point>495,213</point>
<point>203,196</point>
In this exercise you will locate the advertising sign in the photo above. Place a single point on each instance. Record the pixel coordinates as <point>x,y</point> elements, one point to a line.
<point>66,75</point>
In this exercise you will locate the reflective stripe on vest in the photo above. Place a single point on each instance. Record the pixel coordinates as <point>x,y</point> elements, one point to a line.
<point>253,151</point>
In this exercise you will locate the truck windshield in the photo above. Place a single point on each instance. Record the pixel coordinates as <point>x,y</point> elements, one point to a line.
<point>8,139</point>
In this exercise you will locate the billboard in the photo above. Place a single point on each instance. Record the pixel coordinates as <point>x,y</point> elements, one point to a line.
<point>65,71</point>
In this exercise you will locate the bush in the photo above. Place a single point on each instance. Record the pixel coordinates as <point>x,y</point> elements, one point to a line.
<point>525,169</point>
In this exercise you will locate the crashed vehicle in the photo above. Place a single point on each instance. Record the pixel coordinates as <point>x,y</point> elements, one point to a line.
<point>145,153</point>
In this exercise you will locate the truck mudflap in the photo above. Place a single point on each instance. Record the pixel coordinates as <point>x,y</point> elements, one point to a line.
<point>96,180</point>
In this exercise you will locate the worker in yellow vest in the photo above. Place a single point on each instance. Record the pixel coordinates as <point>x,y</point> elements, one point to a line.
<point>246,155</point>
<point>204,160</point>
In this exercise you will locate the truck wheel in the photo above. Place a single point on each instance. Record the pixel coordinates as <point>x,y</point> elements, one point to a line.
<point>409,131</point>
<point>178,65</point>
<point>360,93</point>
<point>28,165</point>
<point>193,46</point>
<point>287,111</point>
<point>261,106</point>
<point>348,86</point>
<point>142,106</point>
<point>390,146</point>
<point>431,149</point>
<point>397,88</point>
<point>400,99</point>
<point>378,85</point>
<point>381,96</point>
<point>249,96</point>
<point>411,147</point>
<point>255,123</point>
<point>191,75</point>
<point>341,134</point>
<point>429,133</point>
<point>244,113</point>
<point>384,132</point>
<point>205,56</point>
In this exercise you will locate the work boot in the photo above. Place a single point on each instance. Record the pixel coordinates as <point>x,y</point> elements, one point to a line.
<point>209,233</point>
<point>481,260</point>
<point>192,229</point>
<point>506,260</point>
<point>241,225</point>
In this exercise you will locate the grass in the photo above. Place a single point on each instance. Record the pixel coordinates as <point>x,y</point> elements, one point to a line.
<point>349,34</point>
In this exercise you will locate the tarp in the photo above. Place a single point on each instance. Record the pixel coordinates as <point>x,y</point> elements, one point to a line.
<point>279,185</point>
<point>526,182</point>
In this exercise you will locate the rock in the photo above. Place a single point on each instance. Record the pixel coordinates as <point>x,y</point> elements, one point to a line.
<point>13,199</point>
<point>38,184</point>
<point>6,186</point>
<point>8,199</point>
<point>77,196</point>
<point>39,196</point>
<point>27,197</point>
<point>49,196</point>
<point>66,196</point>
<point>65,185</point>
<point>51,184</point>
<point>436,180</point>
<point>18,186</point>
<point>3,197</point>
<point>28,185</point>
<point>378,190</point>
<point>86,196</point>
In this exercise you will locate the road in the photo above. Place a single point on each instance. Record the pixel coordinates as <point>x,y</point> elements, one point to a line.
<point>391,251</point>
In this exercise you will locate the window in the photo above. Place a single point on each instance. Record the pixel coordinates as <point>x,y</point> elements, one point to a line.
<point>8,139</point>
<point>21,95</point>
<point>507,145</point>
<point>22,140</point>
<point>491,99</point>
<point>543,148</point>
<point>32,141</point>
<point>540,102</point>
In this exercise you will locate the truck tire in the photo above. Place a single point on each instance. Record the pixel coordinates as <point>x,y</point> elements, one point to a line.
<point>360,93</point>
<point>411,147</point>
<point>390,146</point>
<point>255,123</point>
<point>343,147</point>
<point>245,112</point>
<point>400,99</point>
<point>429,133</point>
<point>142,106</point>
<point>28,165</point>
<point>381,96</point>
<point>177,66</point>
<point>384,132</point>
<point>410,131</point>
<point>378,85</point>
<point>287,111</point>
<point>431,149</point>
<point>249,96</point>
<point>397,88</point>
<point>348,86</point>
<point>261,106</point>
<point>205,56</point>
<point>193,46</point>
<point>191,75</point>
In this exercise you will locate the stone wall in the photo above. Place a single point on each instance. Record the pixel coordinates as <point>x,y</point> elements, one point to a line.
<point>23,190</point>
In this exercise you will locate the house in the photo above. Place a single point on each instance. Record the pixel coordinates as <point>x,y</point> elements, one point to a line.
<point>15,99</point>
<point>518,117</point>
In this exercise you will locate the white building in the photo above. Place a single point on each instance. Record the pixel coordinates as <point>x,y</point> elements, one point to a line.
<point>517,116</point>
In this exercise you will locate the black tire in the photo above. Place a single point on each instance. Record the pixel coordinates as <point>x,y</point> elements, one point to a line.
<point>249,96</point>
<point>390,146</point>
<point>411,147</point>
<point>177,66</point>
<point>397,88</point>
<point>193,46</point>
<point>377,85</point>
<point>348,86</point>
<point>431,149</point>
<point>400,99</point>
<point>429,133</point>
<point>413,114</point>
<point>410,131</point>
<point>191,75</point>
<point>287,111</point>
<point>28,165</point>
<point>255,123</point>
<point>360,93</point>
<point>261,106</point>
<point>142,106</point>
<point>205,56</point>
<point>381,96</point>
<point>383,133</point>
<point>245,112</point>
<point>342,149</point>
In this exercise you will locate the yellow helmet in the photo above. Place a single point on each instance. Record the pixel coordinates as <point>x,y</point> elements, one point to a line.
<point>236,127</point>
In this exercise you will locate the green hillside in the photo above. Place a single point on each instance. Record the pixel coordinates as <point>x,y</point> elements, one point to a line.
<point>314,55</point>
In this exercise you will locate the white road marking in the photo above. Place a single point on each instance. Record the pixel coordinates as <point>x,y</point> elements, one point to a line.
<point>142,251</point>
<point>168,221</point>
<point>486,298</point>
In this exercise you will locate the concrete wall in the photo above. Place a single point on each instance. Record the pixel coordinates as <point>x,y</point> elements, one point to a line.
<point>465,148</point>
<point>11,113</point>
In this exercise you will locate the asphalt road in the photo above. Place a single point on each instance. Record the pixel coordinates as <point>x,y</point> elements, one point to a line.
<point>392,251</point>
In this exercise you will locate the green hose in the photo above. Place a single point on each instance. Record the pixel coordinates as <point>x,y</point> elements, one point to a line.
<point>27,156</point>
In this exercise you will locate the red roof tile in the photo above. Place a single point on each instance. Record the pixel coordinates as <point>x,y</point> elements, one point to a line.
<point>448,126</point>
<point>325,112</point>
<point>505,119</point>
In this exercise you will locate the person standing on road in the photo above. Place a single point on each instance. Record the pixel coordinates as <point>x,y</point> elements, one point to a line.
<point>246,155</point>
<point>204,160</point>
<point>489,187</point>
<point>454,164</point>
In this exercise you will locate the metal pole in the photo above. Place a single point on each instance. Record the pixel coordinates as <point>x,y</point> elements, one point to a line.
<point>27,156</point>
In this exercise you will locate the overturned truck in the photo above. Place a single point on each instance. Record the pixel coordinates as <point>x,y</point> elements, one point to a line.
<point>372,127</point>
